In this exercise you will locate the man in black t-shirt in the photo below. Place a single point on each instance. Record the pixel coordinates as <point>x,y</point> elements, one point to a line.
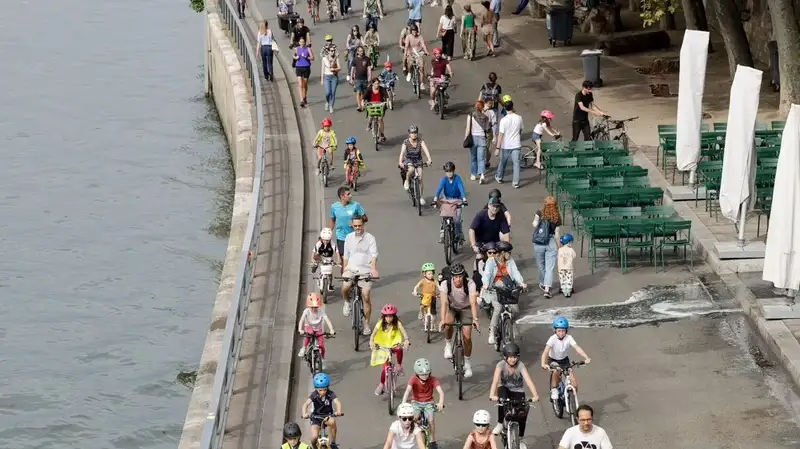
<point>583,106</point>
<point>301,31</point>
<point>489,226</point>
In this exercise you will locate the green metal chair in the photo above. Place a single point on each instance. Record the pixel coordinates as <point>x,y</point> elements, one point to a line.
<point>608,145</point>
<point>768,163</point>
<point>636,181</point>
<point>605,236</point>
<point>617,161</point>
<point>561,162</point>
<point>592,161</point>
<point>658,211</point>
<point>720,126</point>
<point>552,145</point>
<point>777,125</point>
<point>639,236</point>
<point>675,235</point>
<point>581,145</point>
<point>626,212</point>
<point>651,196</point>
<point>609,183</point>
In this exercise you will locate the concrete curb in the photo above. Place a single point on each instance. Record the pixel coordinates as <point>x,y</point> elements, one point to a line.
<point>235,105</point>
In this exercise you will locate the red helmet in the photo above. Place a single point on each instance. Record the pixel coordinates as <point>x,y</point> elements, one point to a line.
<point>437,51</point>
<point>548,114</point>
<point>389,309</point>
<point>327,122</point>
<point>388,64</point>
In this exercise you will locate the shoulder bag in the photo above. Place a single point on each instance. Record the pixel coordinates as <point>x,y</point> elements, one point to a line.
<point>469,142</point>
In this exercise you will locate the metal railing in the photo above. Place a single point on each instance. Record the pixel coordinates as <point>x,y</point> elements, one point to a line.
<point>221,392</point>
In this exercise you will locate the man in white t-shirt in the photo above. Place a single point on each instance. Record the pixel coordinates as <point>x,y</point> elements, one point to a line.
<point>508,140</point>
<point>585,435</point>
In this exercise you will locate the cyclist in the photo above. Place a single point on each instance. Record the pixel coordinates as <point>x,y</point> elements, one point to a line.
<point>421,387</point>
<point>557,350</point>
<point>313,322</point>
<point>413,51</point>
<point>427,287</point>
<point>376,96</point>
<point>324,402</point>
<point>371,42</point>
<point>496,193</point>
<point>373,10</point>
<point>410,158</point>
<point>459,299</point>
<point>403,34</point>
<point>451,187</point>
<point>324,249</point>
<point>500,271</point>
<point>291,437</point>
<point>389,334</point>
<point>404,433</point>
<point>509,382</point>
<point>353,160</point>
<point>388,77</point>
<point>543,126</point>
<point>440,67</point>
<point>481,437</point>
<point>489,226</point>
<point>325,143</point>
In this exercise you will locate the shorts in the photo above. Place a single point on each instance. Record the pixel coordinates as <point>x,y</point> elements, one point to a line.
<point>340,246</point>
<point>563,363</point>
<point>363,285</point>
<point>463,316</point>
<point>303,72</point>
<point>360,85</point>
<point>427,408</point>
<point>418,22</point>
<point>316,422</point>
<point>536,137</point>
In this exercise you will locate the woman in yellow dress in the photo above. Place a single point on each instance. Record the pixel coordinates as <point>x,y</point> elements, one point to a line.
<point>388,334</point>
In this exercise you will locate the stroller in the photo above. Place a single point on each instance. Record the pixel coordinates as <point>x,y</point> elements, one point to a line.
<point>287,18</point>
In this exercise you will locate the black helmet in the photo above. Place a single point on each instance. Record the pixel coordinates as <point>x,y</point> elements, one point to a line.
<point>492,77</point>
<point>489,247</point>
<point>292,430</point>
<point>494,193</point>
<point>504,247</point>
<point>457,269</point>
<point>449,166</point>
<point>510,350</point>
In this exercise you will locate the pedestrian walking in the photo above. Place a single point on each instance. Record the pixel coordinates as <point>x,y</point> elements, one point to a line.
<point>303,56</point>
<point>508,140</point>
<point>546,232</point>
<point>469,31</point>
<point>329,78</point>
<point>265,42</point>
<point>477,125</point>
<point>447,32</point>
<point>360,74</point>
<point>496,5</point>
<point>488,26</point>
<point>585,434</point>
<point>566,266</point>
<point>354,41</point>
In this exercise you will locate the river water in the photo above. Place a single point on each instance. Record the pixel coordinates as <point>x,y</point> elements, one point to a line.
<point>115,196</point>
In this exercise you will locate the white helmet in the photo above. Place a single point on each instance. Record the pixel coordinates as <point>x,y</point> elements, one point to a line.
<point>481,417</point>
<point>326,234</point>
<point>405,410</point>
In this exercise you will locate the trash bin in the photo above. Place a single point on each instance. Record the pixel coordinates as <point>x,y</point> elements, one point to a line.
<point>591,66</point>
<point>774,68</point>
<point>560,27</point>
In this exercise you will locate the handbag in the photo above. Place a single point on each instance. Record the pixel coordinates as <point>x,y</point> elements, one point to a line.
<point>469,142</point>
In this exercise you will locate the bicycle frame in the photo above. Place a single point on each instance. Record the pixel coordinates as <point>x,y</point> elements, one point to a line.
<point>314,349</point>
<point>391,377</point>
<point>566,390</point>
<point>510,426</point>
<point>357,306</point>
<point>325,273</point>
<point>323,441</point>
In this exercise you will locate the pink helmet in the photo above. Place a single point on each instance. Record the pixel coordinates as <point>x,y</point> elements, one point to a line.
<point>548,114</point>
<point>389,309</point>
<point>437,51</point>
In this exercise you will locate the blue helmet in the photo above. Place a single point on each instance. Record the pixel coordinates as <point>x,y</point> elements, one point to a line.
<point>566,238</point>
<point>559,323</point>
<point>350,141</point>
<point>322,380</point>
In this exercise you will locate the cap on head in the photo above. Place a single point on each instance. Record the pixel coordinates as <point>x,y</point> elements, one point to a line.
<point>494,201</point>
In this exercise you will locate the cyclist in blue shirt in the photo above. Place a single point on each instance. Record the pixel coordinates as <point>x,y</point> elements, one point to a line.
<point>451,190</point>
<point>341,213</point>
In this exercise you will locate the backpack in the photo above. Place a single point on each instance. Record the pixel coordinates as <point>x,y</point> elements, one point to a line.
<point>490,93</point>
<point>542,234</point>
<point>444,276</point>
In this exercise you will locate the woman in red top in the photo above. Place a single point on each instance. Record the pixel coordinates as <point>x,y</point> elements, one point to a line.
<point>421,387</point>
<point>377,94</point>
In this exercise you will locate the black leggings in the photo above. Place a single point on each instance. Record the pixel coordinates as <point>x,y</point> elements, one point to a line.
<point>521,418</point>
<point>448,42</point>
<point>581,126</point>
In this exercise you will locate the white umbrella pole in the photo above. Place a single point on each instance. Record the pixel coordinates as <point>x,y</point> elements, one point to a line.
<point>692,178</point>
<point>742,220</point>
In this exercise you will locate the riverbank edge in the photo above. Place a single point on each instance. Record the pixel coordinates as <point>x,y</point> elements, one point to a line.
<point>234,102</point>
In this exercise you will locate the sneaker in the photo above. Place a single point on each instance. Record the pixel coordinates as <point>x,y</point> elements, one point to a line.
<point>448,349</point>
<point>317,175</point>
<point>441,236</point>
<point>408,77</point>
<point>422,201</point>
<point>348,78</point>
<point>330,108</point>
<point>367,330</point>
<point>516,186</point>
<point>324,365</point>
<point>327,105</point>
<point>379,390</point>
<point>554,394</point>
<point>522,445</point>
<point>467,368</point>
<point>498,180</point>
<point>405,185</point>
<point>472,177</point>
<point>302,352</point>
<point>420,315</point>
<point>346,308</point>
<point>492,340</point>
<point>482,179</point>
<point>547,293</point>
<point>498,429</point>
<point>330,287</point>
<point>541,287</point>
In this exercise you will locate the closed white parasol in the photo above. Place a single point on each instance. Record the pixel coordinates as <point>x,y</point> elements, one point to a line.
<point>691,83</point>
<point>782,257</point>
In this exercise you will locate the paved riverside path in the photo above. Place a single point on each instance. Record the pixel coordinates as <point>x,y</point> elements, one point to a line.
<point>675,384</point>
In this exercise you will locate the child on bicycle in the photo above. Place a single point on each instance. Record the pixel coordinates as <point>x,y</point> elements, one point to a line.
<point>566,267</point>
<point>544,126</point>
<point>427,288</point>
<point>325,143</point>
<point>313,322</point>
<point>420,388</point>
<point>352,157</point>
<point>387,77</point>
<point>291,437</point>
<point>388,334</point>
<point>324,249</point>
<point>557,350</point>
<point>325,403</point>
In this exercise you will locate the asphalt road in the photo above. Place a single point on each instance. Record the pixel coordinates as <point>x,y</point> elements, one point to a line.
<point>680,380</point>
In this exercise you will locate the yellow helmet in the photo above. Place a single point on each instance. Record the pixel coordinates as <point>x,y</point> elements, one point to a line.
<point>506,98</point>
<point>328,37</point>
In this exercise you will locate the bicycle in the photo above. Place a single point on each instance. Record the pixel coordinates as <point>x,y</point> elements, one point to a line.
<point>389,95</point>
<point>325,278</point>
<point>514,410</point>
<point>427,319</point>
<point>313,10</point>
<point>603,130</point>
<point>441,96</point>
<point>415,73</point>
<point>505,331</point>
<point>352,173</point>
<point>375,112</point>
<point>458,354</point>
<point>332,8</point>
<point>414,189</point>
<point>391,375</point>
<point>567,396</point>
<point>450,238</point>
<point>528,157</point>
<point>374,54</point>
<point>424,425</point>
<point>324,167</point>
<point>357,307</point>
<point>313,354</point>
<point>323,440</point>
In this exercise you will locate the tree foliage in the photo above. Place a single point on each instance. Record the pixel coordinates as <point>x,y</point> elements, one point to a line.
<point>653,11</point>
<point>197,5</point>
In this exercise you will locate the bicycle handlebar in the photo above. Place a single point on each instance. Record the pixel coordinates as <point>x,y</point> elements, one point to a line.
<point>325,415</point>
<point>503,401</point>
<point>366,278</point>
<point>325,334</point>
<point>554,366</point>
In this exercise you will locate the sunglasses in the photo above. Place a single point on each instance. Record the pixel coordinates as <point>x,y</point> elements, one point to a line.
<point>491,252</point>
<point>407,418</point>
<point>481,426</point>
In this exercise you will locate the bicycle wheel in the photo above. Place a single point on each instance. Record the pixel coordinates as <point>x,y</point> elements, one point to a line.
<point>558,407</point>
<point>375,132</point>
<point>325,286</point>
<point>324,172</point>
<point>448,247</point>
<point>513,435</point>
<point>390,386</point>
<point>418,196</point>
<point>428,327</point>
<point>355,182</point>
<point>458,359</point>
<point>440,99</point>
<point>454,240</point>
<point>529,157</point>
<point>572,404</point>
<point>316,361</point>
<point>356,323</point>
<point>416,81</point>
<point>508,331</point>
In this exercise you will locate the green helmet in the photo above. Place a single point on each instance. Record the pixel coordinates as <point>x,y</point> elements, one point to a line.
<point>422,367</point>
<point>428,266</point>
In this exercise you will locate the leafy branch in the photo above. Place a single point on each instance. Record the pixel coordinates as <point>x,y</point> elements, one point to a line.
<point>653,11</point>
<point>197,5</point>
